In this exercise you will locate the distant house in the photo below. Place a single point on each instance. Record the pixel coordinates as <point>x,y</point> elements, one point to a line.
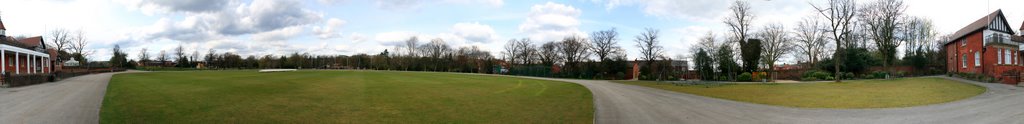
<point>987,46</point>
<point>24,56</point>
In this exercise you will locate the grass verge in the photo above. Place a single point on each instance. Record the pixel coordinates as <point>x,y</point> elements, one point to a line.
<point>902,92</point>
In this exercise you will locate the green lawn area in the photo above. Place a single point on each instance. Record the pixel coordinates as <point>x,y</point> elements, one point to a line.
<point>902,92</point>
<point>341,97</point>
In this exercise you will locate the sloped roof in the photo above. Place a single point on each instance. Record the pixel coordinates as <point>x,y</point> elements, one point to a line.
<point>979,24</point>
<point>13,42</point>
<point>2,24</point>
<point>32,41</point>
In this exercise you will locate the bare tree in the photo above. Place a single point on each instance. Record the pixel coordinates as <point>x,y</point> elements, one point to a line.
<point>839,14</point>
<point>574,50</point>
<point>512,51</point>
<point>436,48</point>
<point>79,42</point>
<point>708,43</point>
<point>61,38</point>
<point>739,20</point>
<point>604,43</point>
<point>650,48</point>
<point>179,54</point>
<point>776,43</point>
<point>410,46</point>
<point>548,53</point>
<point>918,32</point>
<point>143,56</point>
<point>882,19</point>
<point>527,50</point>
<point>810,38</point>
<point>162,57</point>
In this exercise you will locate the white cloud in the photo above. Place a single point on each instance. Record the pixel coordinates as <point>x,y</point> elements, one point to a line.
<point>474,32</point>
<point>357,37</point>
<point>694,10</point>
<point>394,38</point>
<point>171,6</point>
<point>329,31</point>
<point>260,17</point>
<point>492,3</point>
<point>417,4</point>
<point>279,34</point>
<point>551,21</point>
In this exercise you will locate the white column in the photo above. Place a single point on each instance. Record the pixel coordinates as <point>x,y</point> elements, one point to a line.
<point>17,63</point>
<point>3,59</point>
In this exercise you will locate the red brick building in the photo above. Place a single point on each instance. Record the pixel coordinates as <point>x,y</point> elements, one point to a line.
<point>24,56</point>
<point>987,46</point>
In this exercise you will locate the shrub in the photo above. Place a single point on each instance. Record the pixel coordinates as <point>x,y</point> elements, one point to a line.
<point>809,79</point>
<point>879,74</point>
<point>25,79</point>
<point>746,76</point>
<point>816,75</point>
<point>848,76</point>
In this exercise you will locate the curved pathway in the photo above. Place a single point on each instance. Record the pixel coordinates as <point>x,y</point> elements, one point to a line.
<point>71,101</point>
<point>622,103</point>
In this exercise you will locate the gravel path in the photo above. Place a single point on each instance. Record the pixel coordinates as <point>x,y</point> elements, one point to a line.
<point>71,101</point>
<point>622,104</point>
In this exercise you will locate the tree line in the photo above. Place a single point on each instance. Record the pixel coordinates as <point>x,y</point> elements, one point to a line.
<point>842,37</point>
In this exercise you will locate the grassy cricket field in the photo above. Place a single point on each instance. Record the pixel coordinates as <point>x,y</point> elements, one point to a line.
<point>341,97</point>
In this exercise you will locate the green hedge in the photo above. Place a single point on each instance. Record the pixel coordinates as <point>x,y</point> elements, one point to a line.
<point>25,79</point>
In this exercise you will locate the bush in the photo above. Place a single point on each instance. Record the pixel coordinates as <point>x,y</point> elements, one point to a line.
<point>816,75</point>
<point>848,76</point>
<point>746,76</point>
<point>879,74</point>
<point>25,79</point>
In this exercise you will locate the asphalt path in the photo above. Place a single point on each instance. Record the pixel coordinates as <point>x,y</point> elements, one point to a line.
<point>74,100</point>
<point>628,104</point>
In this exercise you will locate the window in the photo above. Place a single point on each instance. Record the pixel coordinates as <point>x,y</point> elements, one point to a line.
<point>963,61</point>
<point>963,42</point>
<point>999,56</point>
<point>1006,56</point>
<point>977,58</point>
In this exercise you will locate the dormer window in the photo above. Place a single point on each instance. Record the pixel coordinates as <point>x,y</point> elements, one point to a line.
<point>963,42</point>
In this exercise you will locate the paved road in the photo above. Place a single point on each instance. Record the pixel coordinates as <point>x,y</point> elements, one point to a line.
<point>72,101</point>
<point>627,104</point>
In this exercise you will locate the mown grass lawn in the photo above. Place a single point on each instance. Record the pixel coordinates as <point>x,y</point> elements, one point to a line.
<point>341,97</point>
<point>902,92</point>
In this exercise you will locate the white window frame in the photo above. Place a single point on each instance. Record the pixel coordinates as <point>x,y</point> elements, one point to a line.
<point>963,61</point>
<point>1006,56</point>
<point>999,56</point>
<point>977,59</point>
<point>963,42</point>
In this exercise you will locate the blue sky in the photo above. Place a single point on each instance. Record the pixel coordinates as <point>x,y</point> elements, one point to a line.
<point>258,27</point>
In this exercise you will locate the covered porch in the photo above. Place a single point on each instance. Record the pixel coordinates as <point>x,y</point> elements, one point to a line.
<point>17,60</point>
